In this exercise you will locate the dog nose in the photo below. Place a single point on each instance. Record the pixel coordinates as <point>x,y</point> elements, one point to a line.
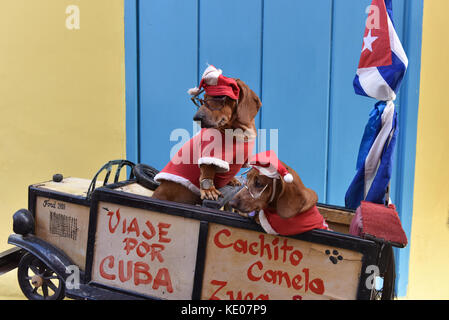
<point>198,116</point>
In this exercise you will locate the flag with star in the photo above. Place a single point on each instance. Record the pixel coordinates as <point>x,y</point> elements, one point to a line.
<point>382,67</point>
<point>383,61</point>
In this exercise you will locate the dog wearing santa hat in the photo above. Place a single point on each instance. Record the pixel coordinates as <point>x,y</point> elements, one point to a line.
<point>212,158</point>
<point>275,194</point>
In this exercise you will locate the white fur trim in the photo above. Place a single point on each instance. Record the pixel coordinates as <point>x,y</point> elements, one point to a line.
<point>288,178</point>
<point>193,91</point>
<point>178,179</point>
<point>270,172</point>
<point>216,162</point>
<point>265,224</point>
<point>211,75</point>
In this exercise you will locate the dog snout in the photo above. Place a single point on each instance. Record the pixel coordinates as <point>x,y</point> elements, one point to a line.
<point>199,116</point>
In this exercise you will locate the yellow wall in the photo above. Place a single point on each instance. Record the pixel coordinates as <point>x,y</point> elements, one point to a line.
<point>429,252</point>
<point>62,98</point>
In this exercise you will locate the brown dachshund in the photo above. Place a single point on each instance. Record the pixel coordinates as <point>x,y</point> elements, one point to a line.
<point>283,208</point>
<point>191,182</point>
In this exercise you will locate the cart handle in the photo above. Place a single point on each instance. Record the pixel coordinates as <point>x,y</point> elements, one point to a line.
<point>108,167</point>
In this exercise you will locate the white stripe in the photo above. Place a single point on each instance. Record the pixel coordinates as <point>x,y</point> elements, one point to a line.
<point>223,165</point>
<point>395,44</point>
<point>372,161</point>
<point>265,224</point>
<point>178,179</point>
<point>375,85</point>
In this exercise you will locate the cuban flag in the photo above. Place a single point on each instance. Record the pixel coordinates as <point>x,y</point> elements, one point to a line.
<point>383,61</point>
<point>375,160</point>
<point>382,67</point>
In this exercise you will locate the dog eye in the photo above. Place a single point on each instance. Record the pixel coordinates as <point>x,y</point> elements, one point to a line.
<point>257,184</point>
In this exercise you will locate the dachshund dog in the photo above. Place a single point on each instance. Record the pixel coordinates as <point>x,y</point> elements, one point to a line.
<point>283,208</point>
<point>229,105</point>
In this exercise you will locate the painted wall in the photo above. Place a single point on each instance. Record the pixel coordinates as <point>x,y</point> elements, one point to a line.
<point>63,102</point>
<point>315,92</point>
<point>62,97</point>
<point>429,253</point>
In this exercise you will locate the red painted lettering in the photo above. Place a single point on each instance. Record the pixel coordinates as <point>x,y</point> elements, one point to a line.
<point>110,266</point>
<point>110,214</point>
<point>296,282</point>
<point>134,227</point>
<point>142,249</point>
<point>221,285</point>
<point>156,252</point>
<point>306,273</point>
<point>240,246</point>
<point>217,241</point>
<point>163,233</point>
<point>250,273</point>
<point>129,271</point>
<point>264,247</point>
<point>251,249</point>
<point>142,268</point>
<point>150,235</point>
<point>285,248</point>
<point>295,257</point>
<point>317,286</point>
<point>130,244</point>
<point>163,279</point>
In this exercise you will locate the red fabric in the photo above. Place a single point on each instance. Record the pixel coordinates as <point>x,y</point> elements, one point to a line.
<point>378,221</point>
<point>381,50</point>
<point>303,222</point>
<point>224,87</point>
<point>209,146</point>
<point>268,164</point>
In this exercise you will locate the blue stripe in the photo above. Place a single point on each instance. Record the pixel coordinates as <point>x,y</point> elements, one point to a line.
<point>380,183</point>
<point>358,87</point>
<point>394,73</point>
<point>356,191</point>
<point>389,6</point>
<point>372,129</point>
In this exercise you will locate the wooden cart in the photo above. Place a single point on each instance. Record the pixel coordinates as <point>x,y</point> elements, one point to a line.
<point>96,240</point>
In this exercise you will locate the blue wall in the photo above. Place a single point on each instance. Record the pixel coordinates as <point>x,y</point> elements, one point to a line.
<point>299,56</point>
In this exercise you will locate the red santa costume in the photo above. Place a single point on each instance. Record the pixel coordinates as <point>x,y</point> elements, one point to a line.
<point>228,152</point>
<point>269,165</point>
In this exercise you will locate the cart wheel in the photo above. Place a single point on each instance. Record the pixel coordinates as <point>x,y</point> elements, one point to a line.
<point>37,281</point>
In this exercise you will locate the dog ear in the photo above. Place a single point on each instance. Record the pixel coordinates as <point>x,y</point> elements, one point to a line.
<point>248,104</point>
<point>294,197</point>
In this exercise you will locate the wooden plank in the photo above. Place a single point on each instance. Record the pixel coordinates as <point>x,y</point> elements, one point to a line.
<point>145,252</point>
<point>348,112</point>
<point>230,39</point>
<point>242,264</point>
<point>64,225</point>
<point>336,215</point>
<point>296,64</point>
<point>132,80</point>
<point>168,43</point>
<point>135,188</point>
<point>70,185</point>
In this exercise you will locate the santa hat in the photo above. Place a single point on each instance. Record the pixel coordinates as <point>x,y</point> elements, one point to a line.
<point>215,84</point>
<point>268,164</point>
